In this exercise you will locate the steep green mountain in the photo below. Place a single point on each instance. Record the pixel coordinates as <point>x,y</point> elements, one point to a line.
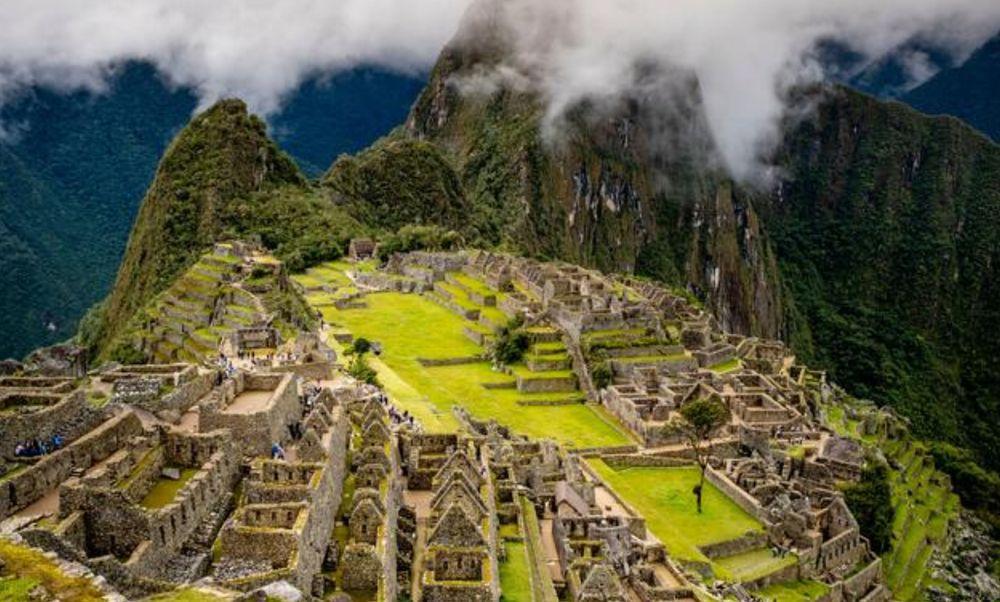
<point>75,170</point>
<point>398,181</point>
<point>875,254</point>
<point>968,91</point>
<point>221,176</point>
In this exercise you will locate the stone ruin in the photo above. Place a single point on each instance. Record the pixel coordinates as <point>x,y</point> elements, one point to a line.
<point>244,478</point>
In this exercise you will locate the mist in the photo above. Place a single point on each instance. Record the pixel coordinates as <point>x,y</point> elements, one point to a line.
<point>745,55</point>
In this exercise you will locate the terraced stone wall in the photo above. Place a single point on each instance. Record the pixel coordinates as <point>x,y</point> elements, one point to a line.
<point>23,488</point>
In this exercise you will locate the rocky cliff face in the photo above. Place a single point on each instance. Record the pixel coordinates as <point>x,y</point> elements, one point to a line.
<point>620,187</point>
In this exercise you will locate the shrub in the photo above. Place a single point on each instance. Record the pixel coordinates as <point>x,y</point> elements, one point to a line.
<point>360,370</point>
<point>126,353</point>
<point>601,374</point>
<point>361,346</point>
<point>509,345</point>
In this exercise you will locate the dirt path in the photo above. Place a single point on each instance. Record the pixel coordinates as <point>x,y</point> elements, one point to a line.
<point>48,504</point>
<point>549,548</point>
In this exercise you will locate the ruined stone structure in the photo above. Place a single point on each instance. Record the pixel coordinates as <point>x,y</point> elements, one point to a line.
<point>294,476</point>
<point>257,408</point>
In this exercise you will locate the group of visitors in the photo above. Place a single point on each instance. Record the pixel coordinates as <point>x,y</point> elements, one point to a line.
<point>397,418</point>
<point>38,447</point>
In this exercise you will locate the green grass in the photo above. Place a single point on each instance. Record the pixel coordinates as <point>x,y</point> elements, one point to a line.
<point>473,284</point>
<point>515,579</point>
<point>754,563</point>
<point>663,496</point>
<point>15,589</point>
<point>410,327</point>
<point>726,366</point>
<point>164,490</point>
<point>25,568</point>
<point>793,591</point>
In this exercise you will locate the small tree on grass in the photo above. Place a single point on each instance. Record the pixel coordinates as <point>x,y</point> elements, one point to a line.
<point>361,346</point>
<point>360,370</point>
<point>510,344</point>
<point>697,422</point>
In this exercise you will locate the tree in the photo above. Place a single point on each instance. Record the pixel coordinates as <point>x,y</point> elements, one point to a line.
<point>697,422</point>
<point>362,345</point>
<point>360,370</point>
<point>870,501</point>
<point>509,344</point>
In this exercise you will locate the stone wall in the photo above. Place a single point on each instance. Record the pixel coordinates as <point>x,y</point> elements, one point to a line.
<point>737,495</point>
<point>117,525</point>
<point>27,486</point>
<point>69,415</point>
<point>185,394</point>
<point>255,432</point>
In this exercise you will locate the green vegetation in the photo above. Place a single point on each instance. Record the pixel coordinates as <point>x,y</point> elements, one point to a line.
<point>515,575</point>
<point>222,155</point>
<point>697,422</point>
<point>298,224</point>
<point>870,501</point>
<point>165,490</point>
<point>398,182</point>
<point>890,295</point>
<point>24,569</point>
<point>663,497</point>
<point>978,488</point>
<point>509,345</point>
<point>752,564</point>
<point>360,369</point>
<point>417,238</point>
<point>398,322</point>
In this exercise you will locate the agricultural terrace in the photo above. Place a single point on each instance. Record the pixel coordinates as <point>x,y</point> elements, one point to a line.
<point>410,327</point>
<point>664,497</point>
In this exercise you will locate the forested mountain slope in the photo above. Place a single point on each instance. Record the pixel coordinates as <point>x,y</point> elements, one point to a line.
<point>74,168</point>
<point>874,253</point>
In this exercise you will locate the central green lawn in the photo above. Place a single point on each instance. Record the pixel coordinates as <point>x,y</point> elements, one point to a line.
<point>663,496</point>
<point>409,327</point>
<point>515,582</point>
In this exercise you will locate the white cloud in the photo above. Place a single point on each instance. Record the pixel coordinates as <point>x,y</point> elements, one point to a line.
<point>744,53</point>
<point>258,50</point>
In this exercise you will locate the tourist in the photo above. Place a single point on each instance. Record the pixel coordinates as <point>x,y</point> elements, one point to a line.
<point>19,450</point>
<point>277,453</point>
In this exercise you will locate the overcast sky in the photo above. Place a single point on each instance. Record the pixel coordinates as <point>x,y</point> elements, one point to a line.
<point>745,53</point>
